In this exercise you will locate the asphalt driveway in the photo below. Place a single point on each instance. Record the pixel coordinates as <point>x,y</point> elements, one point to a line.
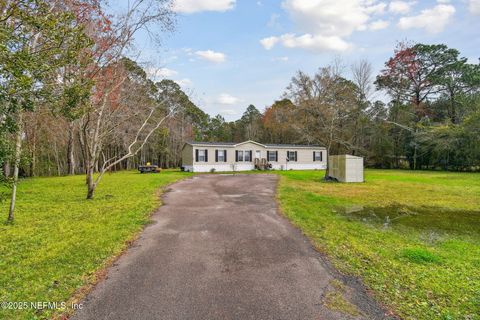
<point>218,249</point>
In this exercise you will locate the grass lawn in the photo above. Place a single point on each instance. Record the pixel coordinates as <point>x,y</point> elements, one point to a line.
<point>413,237</point>
<point>59,239</point>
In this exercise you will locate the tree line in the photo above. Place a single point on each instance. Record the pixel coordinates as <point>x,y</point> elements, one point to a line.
<point>428,117</point>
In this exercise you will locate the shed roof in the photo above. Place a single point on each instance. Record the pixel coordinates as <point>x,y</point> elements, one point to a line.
<point>346,156</point>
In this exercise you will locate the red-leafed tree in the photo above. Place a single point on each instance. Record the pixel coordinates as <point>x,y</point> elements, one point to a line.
<point>402,77</point>
<point>410,75</point>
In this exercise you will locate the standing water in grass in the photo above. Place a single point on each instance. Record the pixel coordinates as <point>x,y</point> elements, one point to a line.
<point>425,219</point>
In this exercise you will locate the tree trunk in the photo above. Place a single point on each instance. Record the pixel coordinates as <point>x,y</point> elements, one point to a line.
<point>33,163</point>
<point>326,160</point>
<point>83,152</point>
<point>452,111</point>
<point>415,157</point>
<point>57,159</point>
<point>6,169</point>
<point>90,183</point>
<point>18,151</point>
<point>70,150</point>
<point>415,150</point>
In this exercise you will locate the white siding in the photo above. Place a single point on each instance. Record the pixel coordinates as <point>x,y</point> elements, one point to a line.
<point>304,161</point>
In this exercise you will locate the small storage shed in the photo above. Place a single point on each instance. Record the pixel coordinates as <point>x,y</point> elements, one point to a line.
<point>346,168</point>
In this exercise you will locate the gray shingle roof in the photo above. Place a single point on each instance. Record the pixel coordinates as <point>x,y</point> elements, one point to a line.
<point>267,145</point>
<point>194,143</point>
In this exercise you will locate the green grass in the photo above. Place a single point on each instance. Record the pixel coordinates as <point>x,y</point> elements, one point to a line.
<point>420,255</point>
<point>60,240</point>
<point>413,237</point>
<point>423,264</point>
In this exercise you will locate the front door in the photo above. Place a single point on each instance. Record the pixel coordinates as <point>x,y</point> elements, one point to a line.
<point>258,154</point>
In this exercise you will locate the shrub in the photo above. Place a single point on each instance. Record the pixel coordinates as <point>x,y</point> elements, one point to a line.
<point>419,255</point>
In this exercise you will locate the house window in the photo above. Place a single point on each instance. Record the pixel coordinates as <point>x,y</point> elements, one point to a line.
<point>201,156</point>
<point>272,155</point>
<point>292,155</point>
<point>317,156</point>
<point>220,155</point>
<point>239,156</point>
<point>248,156</point>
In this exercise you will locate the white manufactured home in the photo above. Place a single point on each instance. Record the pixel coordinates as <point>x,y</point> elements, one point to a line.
<point>249,155</point>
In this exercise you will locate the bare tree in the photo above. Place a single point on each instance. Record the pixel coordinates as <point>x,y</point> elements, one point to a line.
<point>94,141</point>
<point>362,73</point>
<point>324,102</point>
<point>362,77</point>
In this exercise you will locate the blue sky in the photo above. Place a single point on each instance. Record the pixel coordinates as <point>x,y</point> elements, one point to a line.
<point>228,54</point>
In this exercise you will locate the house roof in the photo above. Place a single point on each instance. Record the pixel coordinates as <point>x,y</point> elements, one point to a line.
<point>201,143</point>
<point>266,145</point>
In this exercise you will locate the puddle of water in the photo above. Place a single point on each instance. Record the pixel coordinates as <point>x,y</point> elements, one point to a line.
<point>433,222</point>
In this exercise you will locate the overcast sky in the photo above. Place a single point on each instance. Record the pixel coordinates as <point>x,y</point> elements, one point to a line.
<point>228,54</point>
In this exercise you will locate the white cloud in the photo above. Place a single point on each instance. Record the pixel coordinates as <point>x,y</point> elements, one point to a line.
<point>473,60</point>
<point>474,6</point>
<point>401,7</point>
<point>283,59</point>
<point>228,112</point>
<point>433,20</point>
<point>184,82</point>
<point>160,73</point>
<point>378,25</point>
<point>273,21</point>
<point>316,43</point>
<point>192,6</point>
<point>227,99</point>
<point>211,55</point>
<point>166,73</point>
<point>338,18</point>
<point>376,8</point>
<point>269,43</point>
<point>326,23</point>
